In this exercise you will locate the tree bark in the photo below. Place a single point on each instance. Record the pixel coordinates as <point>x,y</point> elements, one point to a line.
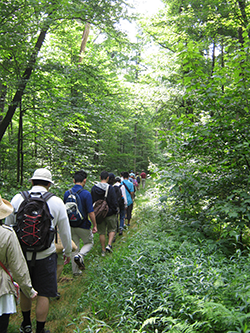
<point>85,36</point>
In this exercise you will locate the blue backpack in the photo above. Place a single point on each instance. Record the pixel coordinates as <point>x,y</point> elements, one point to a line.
<point>74,208</point>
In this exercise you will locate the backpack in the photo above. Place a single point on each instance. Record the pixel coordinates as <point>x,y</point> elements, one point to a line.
<point>101,208</point>
<point>74,208</point>
<point>119,196</point>
<point>34,227</point>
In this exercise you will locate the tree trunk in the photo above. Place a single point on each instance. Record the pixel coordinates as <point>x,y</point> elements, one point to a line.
<point>24,79</point>
<point>20,147</point>
<point>85,36</point>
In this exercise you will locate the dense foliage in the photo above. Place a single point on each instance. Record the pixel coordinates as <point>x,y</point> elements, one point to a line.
<point>204,128</point>
<point>182,107</point>
<point>65,105</point>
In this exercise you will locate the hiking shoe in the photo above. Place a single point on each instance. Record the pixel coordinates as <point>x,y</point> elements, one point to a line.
<point>109,248</point>
<point>103,253</point>
<point>79,261</point>
<point>25,329</point>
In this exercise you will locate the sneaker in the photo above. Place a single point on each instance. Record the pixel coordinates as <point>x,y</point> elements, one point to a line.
<point>109,248</point>
<point>77,274</point>
<point>25,329</point>
<point>79,261</point>
<point>103,253</point>
<point>120,232</point>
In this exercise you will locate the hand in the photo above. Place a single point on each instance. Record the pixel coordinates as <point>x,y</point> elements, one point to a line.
<point>94,230</point>
<point>34,295</point>
<point>66,259</point>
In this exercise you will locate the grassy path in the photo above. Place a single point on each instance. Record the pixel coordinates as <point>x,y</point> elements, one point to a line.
<point>165,275</point>
<point>66,315</point>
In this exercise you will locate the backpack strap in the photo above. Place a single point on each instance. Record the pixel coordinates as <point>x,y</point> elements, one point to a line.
<point>25,194</point>
<point>127,188</point>
<point>106,193</point>
<point>47,195</point>
<point>2,265</point>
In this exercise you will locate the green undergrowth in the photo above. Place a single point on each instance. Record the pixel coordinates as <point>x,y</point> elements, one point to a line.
<point>169,279</point>
<point>161,277</point>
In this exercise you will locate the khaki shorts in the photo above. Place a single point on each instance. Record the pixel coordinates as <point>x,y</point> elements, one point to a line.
<point>108,225</point>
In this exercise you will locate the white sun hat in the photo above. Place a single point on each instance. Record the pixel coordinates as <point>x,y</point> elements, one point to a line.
<point>42,174</point>
<point>5,208</point>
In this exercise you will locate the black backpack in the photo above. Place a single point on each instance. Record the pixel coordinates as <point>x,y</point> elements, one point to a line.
<point>34,226</point>
<point>119,196</point>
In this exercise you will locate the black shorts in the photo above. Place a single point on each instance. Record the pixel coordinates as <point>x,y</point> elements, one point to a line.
<point>129,211</point>
<point>43,276</point>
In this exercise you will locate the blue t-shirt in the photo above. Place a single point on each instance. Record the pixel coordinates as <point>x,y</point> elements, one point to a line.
<point>87,204</point>
<point>130,186</point>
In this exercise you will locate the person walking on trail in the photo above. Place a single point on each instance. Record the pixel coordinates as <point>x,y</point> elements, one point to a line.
<point>82,231</point>
<point>129,194</point>
<point>143,179</point>
<point>43,269</point>
<point>122,205</point>
<point>138,179</point>
<point>109,224</point>
<point>11,258</point>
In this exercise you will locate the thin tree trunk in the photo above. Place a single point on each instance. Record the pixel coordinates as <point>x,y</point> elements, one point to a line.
<point>20,147</point>
<point>135,146</point>
<point>85,36</point>
<point>24,79</point>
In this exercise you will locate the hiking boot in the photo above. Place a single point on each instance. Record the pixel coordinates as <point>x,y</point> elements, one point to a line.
<point>103,253</point>
<point>109,248</point>
<point>25,329</point>
<point>79,261</point>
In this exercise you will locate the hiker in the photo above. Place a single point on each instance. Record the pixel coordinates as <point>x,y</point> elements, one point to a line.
<point>82,230</point>
<point>122,204</point>
<point>43,269</point>
<point>143,179</point>
<point>11,258</point>
<point>129,194</point>
<point>138,179</point>
<point>111,182</point>
<point>109,224</point>
<point>133,180</point>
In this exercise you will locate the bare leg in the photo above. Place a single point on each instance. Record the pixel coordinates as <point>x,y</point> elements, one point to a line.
<point>102,241</point>
<point>111,237</point>
<point>42,308</point>
<point>25,303</point>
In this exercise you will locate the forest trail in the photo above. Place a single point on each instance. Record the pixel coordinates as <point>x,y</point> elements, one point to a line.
<point>64,313</point>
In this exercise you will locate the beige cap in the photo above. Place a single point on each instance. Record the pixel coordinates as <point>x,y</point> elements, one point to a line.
<point>42,174</point>
<point>5,208</point>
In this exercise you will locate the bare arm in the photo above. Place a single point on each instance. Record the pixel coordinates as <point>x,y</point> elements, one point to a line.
<point>92,218</point>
